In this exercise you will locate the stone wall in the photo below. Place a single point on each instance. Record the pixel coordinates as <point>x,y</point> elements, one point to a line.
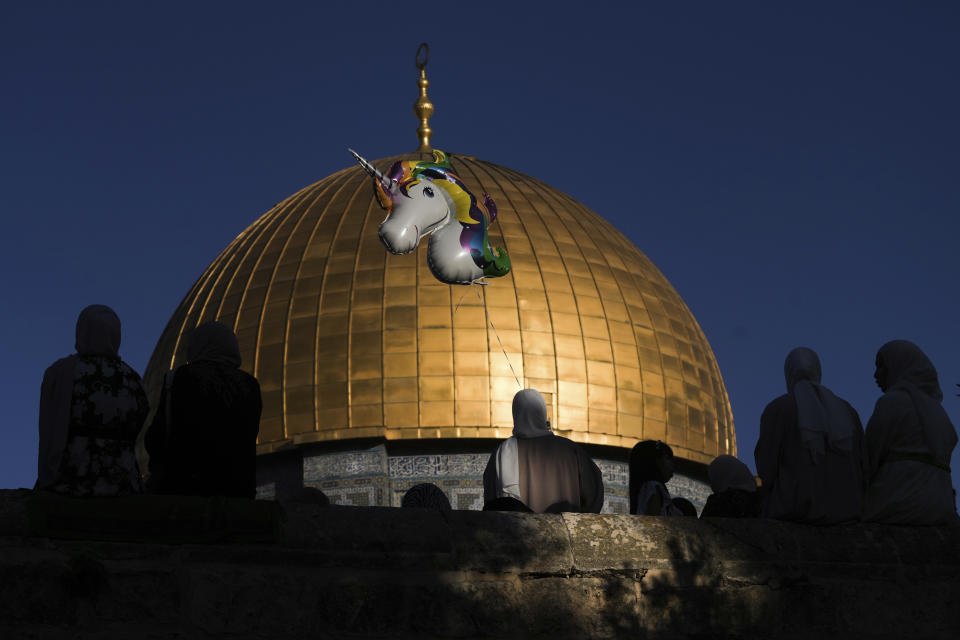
<point>381,572</point>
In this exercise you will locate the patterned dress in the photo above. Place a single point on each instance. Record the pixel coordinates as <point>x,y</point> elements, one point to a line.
<point>107,411</point>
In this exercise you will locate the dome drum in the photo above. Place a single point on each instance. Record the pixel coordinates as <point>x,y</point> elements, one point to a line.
<point>377,472</point>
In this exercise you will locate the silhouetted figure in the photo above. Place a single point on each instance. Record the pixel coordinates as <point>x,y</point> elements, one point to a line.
<point>909,442</point>
<point>92,407</point>
<point>651,466</point>
<point>202,440</point>
<point>546,472</point>
<point>734,490</point>
<point>685,507</point>
<point>426,496</point>
<point>809,454</point>
<point>506,503</point>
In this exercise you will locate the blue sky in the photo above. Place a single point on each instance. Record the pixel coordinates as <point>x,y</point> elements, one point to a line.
<point>793,170</point>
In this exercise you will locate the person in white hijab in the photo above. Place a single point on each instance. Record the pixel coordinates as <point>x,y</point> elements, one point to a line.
<point>544,471</point>
<point>809,454</point>
<point>92,405</point>
<point>202,440</point>
<point>909,441</point>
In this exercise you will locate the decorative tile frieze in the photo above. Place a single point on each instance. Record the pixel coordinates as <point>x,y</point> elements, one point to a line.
<point>355,492</point>
<point>616,474</point>
<point>371,477</point>
<point>437,465</point>
<point>343,464</point>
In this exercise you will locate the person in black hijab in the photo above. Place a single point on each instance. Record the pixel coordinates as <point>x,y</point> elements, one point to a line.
<point>425,495</point>
<point>909,442</point>
<point>734,490</point>
<point>202,440</point>
<point>92,407</point>
<point>809,453</point>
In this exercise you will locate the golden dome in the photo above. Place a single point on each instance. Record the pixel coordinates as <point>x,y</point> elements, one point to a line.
<point>349,341</point>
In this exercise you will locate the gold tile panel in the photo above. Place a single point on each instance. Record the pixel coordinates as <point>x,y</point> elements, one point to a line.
<point>436,363</point>
<point>349,341</point>
<point>401,414</point>
<point>366,415</point>
<point>630,425</point>
<point>572,369</point>
<point>601,396</point>
<point>472,363</point>
<point>628,378</point>
<point>400,389</point>
<point>436,388</point>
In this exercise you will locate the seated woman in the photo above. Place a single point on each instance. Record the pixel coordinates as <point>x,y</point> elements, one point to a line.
<point>651,467</point>
<point>545,472</point>
<point>809,454</point>
<point>909,442</point>
<point>425,495</point>
<point>92,407</point>
<point>734,490</point>
<point>202,440</point>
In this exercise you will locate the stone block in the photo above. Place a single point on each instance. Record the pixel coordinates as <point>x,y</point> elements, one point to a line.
<point>510,542</point>
<point>383,537</point>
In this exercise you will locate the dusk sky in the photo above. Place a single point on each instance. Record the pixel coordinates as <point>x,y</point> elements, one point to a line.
<point>793,170</point>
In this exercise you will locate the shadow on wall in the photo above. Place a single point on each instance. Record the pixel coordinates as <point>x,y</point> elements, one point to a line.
<point>495,583</point>
<point>649,589</point>
<point>458,574</point>
<point>693,599</point>
<point>439,574</point>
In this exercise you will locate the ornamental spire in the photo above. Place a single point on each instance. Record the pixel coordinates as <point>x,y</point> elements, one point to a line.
<point>423,108</point>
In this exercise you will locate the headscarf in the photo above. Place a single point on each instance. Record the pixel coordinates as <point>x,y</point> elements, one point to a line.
<point>426,496</point>
<point>98,331</point>
<point>727,472</point>
<point>530,415</point>
<point>643,460</point>
<point>213,342</point>
<point>529,421</point>
<point>97,334</point>
<point>823,418</point>
<point>909,369</point>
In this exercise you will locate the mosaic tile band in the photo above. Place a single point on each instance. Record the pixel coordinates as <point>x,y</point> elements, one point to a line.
<point>372,477</point>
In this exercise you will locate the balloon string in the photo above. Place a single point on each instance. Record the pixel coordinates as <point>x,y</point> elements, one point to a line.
<point>490,320</point>
<point>461,300</point>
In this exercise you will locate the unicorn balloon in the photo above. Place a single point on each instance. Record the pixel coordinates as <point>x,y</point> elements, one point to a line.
<point>427,197</point>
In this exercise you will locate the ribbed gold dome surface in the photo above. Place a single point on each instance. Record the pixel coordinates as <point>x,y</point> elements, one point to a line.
<point>349,341</point>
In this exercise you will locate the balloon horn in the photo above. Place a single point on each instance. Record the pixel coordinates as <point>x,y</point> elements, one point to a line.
<point>387,183</point>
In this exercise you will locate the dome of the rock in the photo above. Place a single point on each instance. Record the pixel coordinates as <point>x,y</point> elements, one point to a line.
<point>350,342</point>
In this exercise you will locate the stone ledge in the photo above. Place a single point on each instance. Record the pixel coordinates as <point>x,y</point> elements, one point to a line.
<point>383,572</point>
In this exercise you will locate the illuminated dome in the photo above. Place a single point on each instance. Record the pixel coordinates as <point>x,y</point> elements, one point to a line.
<point>351,342</point>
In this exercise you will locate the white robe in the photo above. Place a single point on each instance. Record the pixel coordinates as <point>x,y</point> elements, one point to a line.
<point>545,472</point>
